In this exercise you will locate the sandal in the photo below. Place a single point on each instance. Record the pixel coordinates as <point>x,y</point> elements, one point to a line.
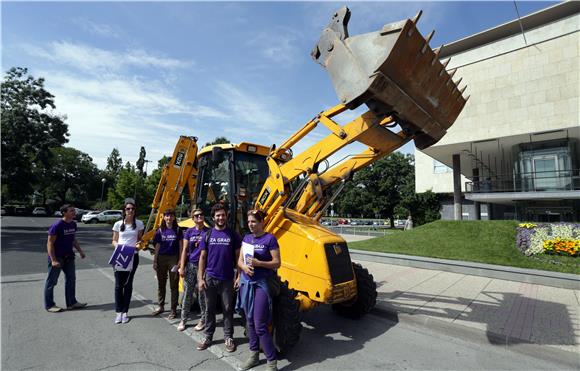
<point>172,315</point>
<point>158,311</point>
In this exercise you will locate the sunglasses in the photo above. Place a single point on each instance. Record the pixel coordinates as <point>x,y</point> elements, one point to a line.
<point>129,208</point>
<point>198,216</point>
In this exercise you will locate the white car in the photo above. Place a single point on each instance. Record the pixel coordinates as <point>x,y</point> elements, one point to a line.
<point>102,216</point>
<point>39,211</point>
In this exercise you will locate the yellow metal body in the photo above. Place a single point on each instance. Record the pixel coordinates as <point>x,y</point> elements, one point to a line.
<point>178,173</point>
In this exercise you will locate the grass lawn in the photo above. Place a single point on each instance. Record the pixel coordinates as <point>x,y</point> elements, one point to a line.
<point>491,242</point>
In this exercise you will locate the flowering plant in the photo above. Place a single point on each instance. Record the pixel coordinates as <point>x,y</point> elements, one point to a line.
<point>559,238</point>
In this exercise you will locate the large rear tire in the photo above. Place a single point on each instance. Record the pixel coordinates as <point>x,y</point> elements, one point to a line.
<point>365,299</point>
<point>287,319</point>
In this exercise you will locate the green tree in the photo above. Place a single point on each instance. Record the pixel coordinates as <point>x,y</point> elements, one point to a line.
<point>124,188</point>
<point>29,131</point>
<point>218,140</point>
<point>71,176</point>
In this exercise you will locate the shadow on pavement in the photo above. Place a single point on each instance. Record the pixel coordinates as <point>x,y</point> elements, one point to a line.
<point>335,334</point>
<point>510,318</point>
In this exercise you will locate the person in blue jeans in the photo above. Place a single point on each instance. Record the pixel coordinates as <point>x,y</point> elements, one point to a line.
<point>220,248</point>
<point>61,257</point>
<point>254,297</point>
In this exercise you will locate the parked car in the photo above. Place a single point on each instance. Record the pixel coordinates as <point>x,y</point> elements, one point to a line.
<point>399,223</point>
<point>20,210</point>
<point>3,211</point>
<point>103,216</point>
<point>79,214</point>
<point>57,213</point>
<point>39,211</point>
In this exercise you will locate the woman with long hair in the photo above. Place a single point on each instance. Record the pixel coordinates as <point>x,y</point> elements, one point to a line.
<point>254,297</point>
<point>165,259</point>
<point>189,264</point>
<point>127,232</point>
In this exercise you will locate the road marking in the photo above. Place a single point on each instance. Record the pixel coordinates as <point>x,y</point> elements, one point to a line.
<point>197,337</point>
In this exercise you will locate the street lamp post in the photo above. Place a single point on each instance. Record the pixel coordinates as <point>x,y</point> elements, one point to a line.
<point>103,188</point>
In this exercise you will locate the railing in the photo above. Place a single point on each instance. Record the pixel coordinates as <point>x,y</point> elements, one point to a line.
<point>361,230</point>
<point>539,181</point>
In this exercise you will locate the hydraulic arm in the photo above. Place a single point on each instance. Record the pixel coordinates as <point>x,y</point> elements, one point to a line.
<point>178,173</point>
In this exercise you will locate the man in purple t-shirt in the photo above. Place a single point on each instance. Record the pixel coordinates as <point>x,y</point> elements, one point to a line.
<point>220,248</point>
<point>61,240</point>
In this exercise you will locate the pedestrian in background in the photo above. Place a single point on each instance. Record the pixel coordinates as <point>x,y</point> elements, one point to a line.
<point>166,257</point>
<point>189,264</point>
<point>61,257</point>
<point>408,224</point>
<point>220,247</point>
<point>127,232</point>
<point>255,297</point>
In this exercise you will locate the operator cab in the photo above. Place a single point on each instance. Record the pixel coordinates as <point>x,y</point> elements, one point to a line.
<point>232,174</point>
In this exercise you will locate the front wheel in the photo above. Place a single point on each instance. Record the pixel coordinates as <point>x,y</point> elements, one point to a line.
<point>366,296</point>
<point>94,221</point>
<point>287,319</point>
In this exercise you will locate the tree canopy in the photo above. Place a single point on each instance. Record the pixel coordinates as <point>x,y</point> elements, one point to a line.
<point>29,131</point>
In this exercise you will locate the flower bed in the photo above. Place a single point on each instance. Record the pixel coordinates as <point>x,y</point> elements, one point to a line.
<point>559,238</point>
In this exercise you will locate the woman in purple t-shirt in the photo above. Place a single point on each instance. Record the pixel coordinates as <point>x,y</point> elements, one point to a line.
<point>167,247</point>
<point>254,299</point>
<point>188,265</point>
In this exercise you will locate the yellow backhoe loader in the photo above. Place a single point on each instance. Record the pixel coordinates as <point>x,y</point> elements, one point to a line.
<point>410,96</point>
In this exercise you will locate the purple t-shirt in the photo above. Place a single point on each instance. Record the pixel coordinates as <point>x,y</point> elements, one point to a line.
<point>193,235</point>
<point>221,253</point>
<point>65,237</point>
<point>262,247</point>
<point>168,240</point>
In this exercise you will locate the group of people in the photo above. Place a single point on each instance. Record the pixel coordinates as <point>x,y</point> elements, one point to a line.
<point>208,260</point>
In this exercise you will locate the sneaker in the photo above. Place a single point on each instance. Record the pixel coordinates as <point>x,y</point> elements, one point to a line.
<point>172,315</point>
<point>230,345</point>
<point>252,361</point>
<point>204,344</point>
<point>77,305</point>
<point>125,318</point>
<point>118,318</point>
<point>181,326</point>
<point>158,311</point>
<point>200,326</point>
<point>54,309</point>
<point>272,365</point>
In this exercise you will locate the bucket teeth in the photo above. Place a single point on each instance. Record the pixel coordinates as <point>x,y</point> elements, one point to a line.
<point>463,89</point>
<point>426,46</point>
<point>436,56</point>
<point>414,20</point>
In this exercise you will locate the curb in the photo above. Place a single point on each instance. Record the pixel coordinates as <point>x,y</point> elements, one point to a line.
<point>534,276</point>
<point>461,332</point>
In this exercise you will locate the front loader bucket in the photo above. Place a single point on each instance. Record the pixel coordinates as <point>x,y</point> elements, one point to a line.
<point>394,72</point>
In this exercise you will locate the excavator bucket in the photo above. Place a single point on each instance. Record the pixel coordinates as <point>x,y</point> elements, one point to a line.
<point>394,72</point>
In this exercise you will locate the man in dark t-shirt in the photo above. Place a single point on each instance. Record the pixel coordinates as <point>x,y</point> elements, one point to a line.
<point>61,257</point>
<point>220,248</point>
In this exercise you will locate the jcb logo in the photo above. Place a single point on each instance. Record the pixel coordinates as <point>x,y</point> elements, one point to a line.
<point>179,159</point>
<point>337,249</point>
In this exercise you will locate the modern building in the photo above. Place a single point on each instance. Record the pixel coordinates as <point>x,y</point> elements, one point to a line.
<point>514,151</point>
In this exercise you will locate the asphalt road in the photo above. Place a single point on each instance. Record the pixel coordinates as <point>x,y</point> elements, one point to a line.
<point>88,340</point>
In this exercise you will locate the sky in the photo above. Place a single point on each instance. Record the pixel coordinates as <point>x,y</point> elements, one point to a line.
<point>132,74</point>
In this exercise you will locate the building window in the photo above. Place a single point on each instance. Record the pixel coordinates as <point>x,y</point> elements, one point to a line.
<point>440,168</point>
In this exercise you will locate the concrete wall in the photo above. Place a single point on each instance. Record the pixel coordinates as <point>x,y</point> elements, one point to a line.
<point>426,179</point>
<point>515,89</point>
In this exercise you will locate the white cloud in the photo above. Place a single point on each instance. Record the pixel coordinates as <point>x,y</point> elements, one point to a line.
<point>249,107</point>
<point>98,61</point>
<point>98,29</point>
<point>279,45</point>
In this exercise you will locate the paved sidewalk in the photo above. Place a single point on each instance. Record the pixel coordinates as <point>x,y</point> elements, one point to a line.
<point>507,312</point>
